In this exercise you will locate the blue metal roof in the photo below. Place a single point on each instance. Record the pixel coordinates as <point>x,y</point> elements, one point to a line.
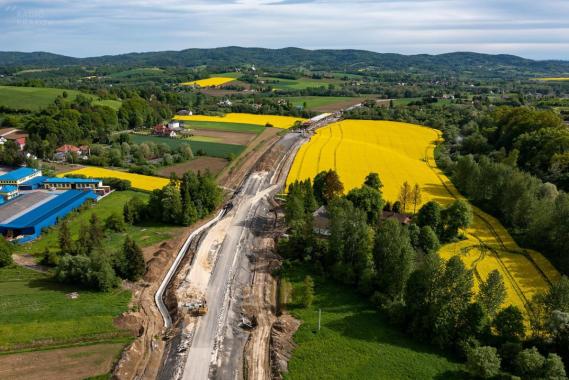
<point>71,180</point>
<point>17,174</point>
<point>34,181</point>
<point>48,209</point>
<point>8,189</point>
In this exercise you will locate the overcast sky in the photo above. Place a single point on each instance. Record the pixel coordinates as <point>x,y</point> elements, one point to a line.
<point>82,28</point>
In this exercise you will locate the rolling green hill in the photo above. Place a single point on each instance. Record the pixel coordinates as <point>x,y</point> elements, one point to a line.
<point>317,59</point>
<point>36,98</point>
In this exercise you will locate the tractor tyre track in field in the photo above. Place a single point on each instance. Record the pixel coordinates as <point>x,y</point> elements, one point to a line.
<point>511,278</point>
<point>491,228</point>
<point>338,146</point>
<point>322,148</point>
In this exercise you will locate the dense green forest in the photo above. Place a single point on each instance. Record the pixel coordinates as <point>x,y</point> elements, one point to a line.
<point>294,57</point>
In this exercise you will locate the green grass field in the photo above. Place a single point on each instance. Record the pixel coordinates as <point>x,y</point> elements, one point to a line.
<point>319,101</point>
<point>211,149</point>
<point>36,98</point>
<point>204,139</point>
<point>231,74</point>
<point>35,312</point>
<point>144,235</point>
<point>228,127</point>
<point>356,342</point>
<point>139,72</point>
<point>114,104</point>
<point>298,84</point>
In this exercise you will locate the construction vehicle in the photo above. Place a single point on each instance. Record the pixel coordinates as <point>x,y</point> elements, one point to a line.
<point>198,309</point>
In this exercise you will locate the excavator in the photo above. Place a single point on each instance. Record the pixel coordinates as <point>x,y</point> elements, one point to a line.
<point>198,309</point>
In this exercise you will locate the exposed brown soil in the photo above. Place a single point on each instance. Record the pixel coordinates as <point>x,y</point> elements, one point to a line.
<point>60,364</point>
<point>282,345</point>
<point>259,305</point>
<point>213,164</point>
<point>232,176</point>
<point>226,137</point>
<point>28,261</point>
<point>143,357</point>
<point>63,168</point>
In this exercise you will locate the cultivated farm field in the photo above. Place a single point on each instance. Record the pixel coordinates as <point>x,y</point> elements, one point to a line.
<point>402,152</point>
<point>276,121</point>
<point>553,79</point>
<point>138,181</point>
<point>209,82</point>
<point>222,126</point>
<point>208,146</point>
<point>326,103</point>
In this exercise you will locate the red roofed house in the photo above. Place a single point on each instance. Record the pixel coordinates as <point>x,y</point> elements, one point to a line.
<point>62,151</point>
<point>15,135</point>
<point>163,130</point>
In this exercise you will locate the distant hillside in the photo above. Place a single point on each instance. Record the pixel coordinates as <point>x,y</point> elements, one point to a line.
<point>289,57</point>
<point>36,98</point>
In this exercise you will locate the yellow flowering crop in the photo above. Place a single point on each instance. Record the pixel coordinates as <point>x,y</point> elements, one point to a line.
<point>402,152</point>
<point>276,121</point>
<point>138,181</point>
<point>554,79</point>
<point>209,82</point>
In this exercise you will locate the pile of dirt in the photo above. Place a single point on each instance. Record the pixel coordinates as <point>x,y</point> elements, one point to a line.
<point>130,321</point>
<point>282,345</point>
<point>155,269</point>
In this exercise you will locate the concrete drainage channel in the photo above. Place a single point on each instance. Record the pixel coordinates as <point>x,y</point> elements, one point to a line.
<point>159,296</point>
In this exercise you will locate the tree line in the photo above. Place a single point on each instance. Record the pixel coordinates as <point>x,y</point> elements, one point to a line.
<point>85,260</point>
<point>536,213</point>
<point>182,202</point>
<point>397,266</point>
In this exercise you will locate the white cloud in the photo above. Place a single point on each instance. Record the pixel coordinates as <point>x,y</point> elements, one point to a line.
<point>525,27</point>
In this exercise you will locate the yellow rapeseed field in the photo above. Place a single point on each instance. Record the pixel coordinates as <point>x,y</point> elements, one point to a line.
<point>276,121</point>
<point>554,79</point>
<point>138,181</point>
<point>402,152</point>
<point>209,82</point>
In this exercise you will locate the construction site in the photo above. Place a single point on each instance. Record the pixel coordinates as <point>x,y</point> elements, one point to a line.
<point>210,308</point>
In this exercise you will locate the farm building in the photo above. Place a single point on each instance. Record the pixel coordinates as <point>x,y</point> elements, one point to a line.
<point>19,176</point>
<point>29,224</point>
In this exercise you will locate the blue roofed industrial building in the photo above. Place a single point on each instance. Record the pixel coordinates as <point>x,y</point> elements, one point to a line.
<point>19,176</point>
<point>30,202</point>
<point>29,226</point>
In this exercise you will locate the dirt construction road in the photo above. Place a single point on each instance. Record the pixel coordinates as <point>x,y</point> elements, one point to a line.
<point>212,333</point>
